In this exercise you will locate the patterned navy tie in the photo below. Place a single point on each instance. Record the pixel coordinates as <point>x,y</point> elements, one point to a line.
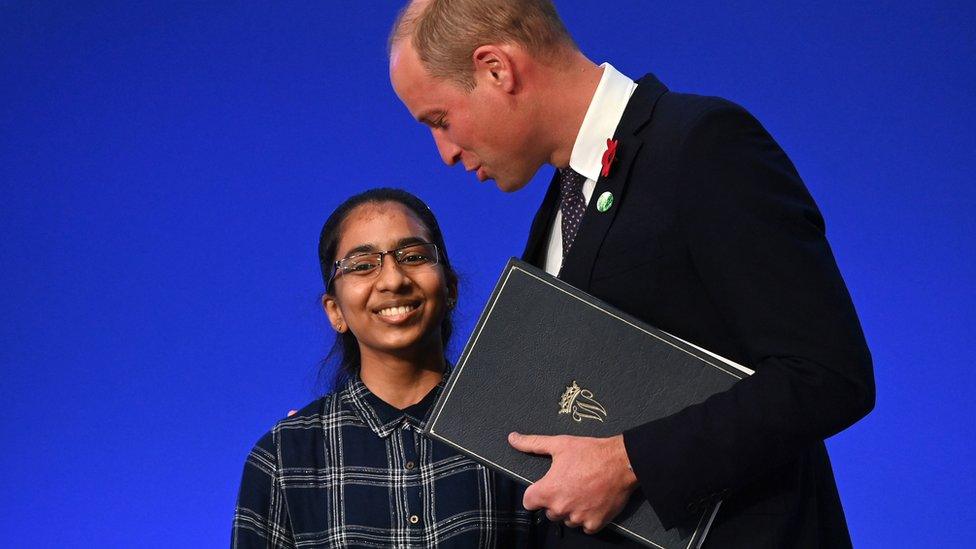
<point>572,204</point>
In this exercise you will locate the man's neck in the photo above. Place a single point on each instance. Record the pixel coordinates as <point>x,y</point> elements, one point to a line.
<point>568,90</point>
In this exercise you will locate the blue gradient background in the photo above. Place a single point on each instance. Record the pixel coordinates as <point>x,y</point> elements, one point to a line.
<point>165,169</point>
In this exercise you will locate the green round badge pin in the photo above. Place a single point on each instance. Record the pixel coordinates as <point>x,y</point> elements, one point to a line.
<point>604,202</point>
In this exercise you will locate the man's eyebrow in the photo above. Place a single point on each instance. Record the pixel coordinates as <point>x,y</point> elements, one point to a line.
<point>430,117</point>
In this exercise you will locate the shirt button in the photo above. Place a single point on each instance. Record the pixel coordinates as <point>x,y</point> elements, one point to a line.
<point>410,465</point>
<point>414,519</point>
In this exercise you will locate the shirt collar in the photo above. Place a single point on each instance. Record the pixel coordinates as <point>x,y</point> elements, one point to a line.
<point>605,111</point>
<point>381,417</point>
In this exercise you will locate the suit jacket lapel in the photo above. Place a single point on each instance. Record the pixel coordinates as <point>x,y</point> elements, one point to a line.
<point>578,266</point>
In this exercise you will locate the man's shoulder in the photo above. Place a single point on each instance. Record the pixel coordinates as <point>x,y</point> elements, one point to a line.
<point>686,111</point>
<point>673,108</point>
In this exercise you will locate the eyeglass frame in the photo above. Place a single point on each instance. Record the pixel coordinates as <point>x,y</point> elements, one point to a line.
<point>336,265</point>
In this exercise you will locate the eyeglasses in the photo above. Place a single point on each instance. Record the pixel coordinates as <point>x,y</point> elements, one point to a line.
<point>367,265</point>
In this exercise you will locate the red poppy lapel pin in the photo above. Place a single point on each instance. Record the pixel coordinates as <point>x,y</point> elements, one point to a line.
<point>609,156</point>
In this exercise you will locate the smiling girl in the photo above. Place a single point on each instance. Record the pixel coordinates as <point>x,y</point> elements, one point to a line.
<point>352,469</point>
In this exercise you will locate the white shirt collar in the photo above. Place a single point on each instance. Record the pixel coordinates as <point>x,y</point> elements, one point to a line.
<point>605,111</point>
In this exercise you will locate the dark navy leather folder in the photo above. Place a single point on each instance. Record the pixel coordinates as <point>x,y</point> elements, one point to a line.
<point>546,358</point>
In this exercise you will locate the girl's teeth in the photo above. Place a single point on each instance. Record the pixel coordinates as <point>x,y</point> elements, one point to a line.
<point>393,311</point>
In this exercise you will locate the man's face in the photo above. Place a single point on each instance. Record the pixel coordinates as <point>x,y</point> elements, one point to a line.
<point>480,129</point>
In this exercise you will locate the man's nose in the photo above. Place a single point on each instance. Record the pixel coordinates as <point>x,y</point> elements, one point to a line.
<point>450,153</point>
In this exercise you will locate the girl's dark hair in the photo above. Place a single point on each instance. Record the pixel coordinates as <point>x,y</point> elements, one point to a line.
<point>344,356</point>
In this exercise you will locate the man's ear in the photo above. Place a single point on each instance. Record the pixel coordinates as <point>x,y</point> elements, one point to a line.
<point>331,307</point>
<point>494,65</point>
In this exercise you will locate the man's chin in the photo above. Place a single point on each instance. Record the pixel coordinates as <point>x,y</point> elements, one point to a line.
<point>510,185</point>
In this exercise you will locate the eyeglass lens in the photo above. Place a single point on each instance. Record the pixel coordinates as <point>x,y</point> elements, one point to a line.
<point>413,255</point>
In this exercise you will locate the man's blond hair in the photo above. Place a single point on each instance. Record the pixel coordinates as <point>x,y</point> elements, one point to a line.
<point>446,32</point>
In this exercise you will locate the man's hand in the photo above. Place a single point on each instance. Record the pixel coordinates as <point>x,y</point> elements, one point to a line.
<point>589,482</point>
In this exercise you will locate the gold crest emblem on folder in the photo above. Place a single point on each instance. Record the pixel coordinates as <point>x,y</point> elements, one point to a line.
<point>580,403</point>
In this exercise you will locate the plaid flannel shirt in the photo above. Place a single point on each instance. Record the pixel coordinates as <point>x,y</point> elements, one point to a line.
<point>349,470</point>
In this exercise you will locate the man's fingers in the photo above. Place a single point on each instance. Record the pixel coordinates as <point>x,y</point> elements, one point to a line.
<point>593,526</point>
<point>573,521</point>
<point>532,499</point>
<point>531,444</point>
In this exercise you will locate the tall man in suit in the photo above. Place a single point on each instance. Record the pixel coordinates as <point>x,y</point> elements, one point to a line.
<point>682,211</point>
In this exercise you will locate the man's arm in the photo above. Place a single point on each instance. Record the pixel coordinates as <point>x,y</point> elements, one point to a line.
<point>757,241</point>
<point>758,245</point>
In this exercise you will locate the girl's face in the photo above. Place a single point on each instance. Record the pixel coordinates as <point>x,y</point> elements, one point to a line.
<point>396,310</point>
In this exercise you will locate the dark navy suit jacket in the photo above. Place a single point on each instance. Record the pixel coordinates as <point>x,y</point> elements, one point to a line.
<point>713,237</point>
